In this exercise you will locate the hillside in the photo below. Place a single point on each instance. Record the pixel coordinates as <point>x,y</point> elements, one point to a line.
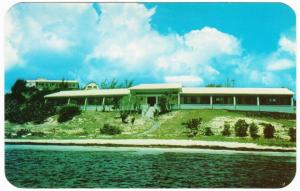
<point>167,126</point>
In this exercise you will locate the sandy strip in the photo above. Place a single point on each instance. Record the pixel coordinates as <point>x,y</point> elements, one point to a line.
<point>154,143</point>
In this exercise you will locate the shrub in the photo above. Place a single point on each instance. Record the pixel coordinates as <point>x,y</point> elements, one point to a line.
<point>110,129</point>
<point>163,104</point>
<point>241,128</point>
<point>253,129</point>
<point>292,134</point>
<point>22,132</point>
<point>208,131</point>
<point>124,115</point>
<point>132,120</point>
<point>226,130</point>
<point>67,112</point>
<point>193,126</point>
<point>269,131</point>
<point>38,134</point>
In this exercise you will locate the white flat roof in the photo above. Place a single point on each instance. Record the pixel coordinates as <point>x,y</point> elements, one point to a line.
<point>238,91</point>
<point>89,93</point>
<point>157,86</point>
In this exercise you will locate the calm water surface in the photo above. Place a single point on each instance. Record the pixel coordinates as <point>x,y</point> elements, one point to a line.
<point>35,166</point>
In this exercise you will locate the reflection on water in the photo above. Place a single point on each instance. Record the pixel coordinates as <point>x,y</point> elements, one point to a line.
<point>118,167</point>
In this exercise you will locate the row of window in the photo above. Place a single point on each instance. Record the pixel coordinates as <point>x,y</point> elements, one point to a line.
<point>242,100</point>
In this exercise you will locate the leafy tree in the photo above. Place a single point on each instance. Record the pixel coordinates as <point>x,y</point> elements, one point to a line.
<point>165,102</point>
<point>226,129</point>
<point>127,83</point>
<point>292,134</point>
<point>253,129</point>
<point>241,128</point>
<point>18,90</point>
<point>193,126</point>
<point>208,131</point>
<point>269,131</point>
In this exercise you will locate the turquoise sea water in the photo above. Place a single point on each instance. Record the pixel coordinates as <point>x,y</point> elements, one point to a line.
<point>45,166</point>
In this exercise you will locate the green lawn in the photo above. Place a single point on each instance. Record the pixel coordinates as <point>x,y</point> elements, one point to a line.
<point>87,125</point>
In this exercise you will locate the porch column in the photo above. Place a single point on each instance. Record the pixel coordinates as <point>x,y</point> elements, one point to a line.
<point>85,103</point>
<point>258,102</point>
<point>211,101</point>
<point>156,100</point>
<point>46,101</point>
<point>69,101</point>
<point>234,102</point>
<point>103,103</point>
<point>292,102</point>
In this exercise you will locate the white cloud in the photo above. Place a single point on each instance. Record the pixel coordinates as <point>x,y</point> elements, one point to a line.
<point>212,42</point>
<point>31,27</point>
<point>127,40</point>
<point>287,45</point>
<point>280,64</point>
<point>185,80</point>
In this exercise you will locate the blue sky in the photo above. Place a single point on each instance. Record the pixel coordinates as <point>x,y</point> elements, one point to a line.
<point>192,43</point>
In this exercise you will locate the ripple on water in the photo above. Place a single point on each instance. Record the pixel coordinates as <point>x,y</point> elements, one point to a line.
<point>40,166</point>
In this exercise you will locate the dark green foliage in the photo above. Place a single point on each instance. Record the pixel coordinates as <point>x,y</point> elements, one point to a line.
<point>163,104</point>
<point>114,83</point>
<point>18,89</point>
<point>156,113</point>
<point>214,85</point>
<point>110,129</point>
<point>253,129</point>
<point>38,134</point>
<point>23,132</point>
<point>132,120</point>
<point>292,134</point>
<point>269,131</point>
<point>67,112</point>
<point>116,101</point>
<point>226,130</point>
<point>193,126</point>
<point>124,115</point>
<point>241,128</point>
<point>208,131</point>
<point>26,104</point>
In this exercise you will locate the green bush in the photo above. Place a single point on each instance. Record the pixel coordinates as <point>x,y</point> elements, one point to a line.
<point>22,132</point>
<point>193,126</point>
<point>163,104</point>
<point>226,130</point>
<point>67,112</point>
<point>292,134</point>
<point>124,115</point>
<point>269,131</point>
<point>241,128</point>
<point>208,131</point>
<point>110,129</point>
<point>38,134</point>
<point>253,129</point>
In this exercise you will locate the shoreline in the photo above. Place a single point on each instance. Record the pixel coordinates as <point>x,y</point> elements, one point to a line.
<point>160,143</point>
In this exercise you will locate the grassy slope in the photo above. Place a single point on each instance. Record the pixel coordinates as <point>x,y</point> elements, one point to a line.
<point>88,123</point>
